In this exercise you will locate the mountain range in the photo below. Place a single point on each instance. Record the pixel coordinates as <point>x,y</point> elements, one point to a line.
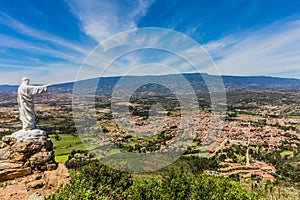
<point>231,83</point>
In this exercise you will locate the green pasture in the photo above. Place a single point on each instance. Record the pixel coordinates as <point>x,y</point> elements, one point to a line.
<point>64,146</point>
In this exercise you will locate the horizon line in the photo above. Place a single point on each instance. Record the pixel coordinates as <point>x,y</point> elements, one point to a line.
<point>185,73</point>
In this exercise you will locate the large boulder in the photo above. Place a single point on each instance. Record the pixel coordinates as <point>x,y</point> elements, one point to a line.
<point>5,154</point>
<point>9,174</point>
<point>6,164</point>
<point>41,158</point>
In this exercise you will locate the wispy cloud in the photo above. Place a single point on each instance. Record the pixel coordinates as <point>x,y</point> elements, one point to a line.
<point>102,19</point>
<point>46,73</point>
<point>272,50</point>
<point>9,42</point>
<point>147,47</point>
<point>38,34</point>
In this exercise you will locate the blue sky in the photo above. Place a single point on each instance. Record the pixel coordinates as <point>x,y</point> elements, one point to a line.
<point>48,40</point>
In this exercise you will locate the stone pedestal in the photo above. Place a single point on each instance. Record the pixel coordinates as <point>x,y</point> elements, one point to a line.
<point>23,135</point>
<point>20,156</point>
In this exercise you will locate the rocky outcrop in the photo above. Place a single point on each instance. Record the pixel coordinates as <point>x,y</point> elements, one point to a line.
<point>21,158</point>
<point>45,183</point>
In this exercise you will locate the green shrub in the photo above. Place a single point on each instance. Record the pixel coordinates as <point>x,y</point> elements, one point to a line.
<point>180,185</point>
<point>145,190</point>
<point>95,181</point>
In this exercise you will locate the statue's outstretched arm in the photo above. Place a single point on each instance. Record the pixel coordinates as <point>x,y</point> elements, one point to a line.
<point>37,89</point>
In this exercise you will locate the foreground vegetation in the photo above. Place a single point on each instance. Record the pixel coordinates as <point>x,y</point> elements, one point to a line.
<point>95,181</point>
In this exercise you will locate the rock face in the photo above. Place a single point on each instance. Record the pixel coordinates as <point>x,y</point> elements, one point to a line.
<point>21,158</point>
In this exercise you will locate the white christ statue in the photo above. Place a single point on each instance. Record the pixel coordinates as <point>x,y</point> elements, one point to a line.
<point>26,105</point>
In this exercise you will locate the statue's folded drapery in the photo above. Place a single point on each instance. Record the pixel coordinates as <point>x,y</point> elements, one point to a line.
<point>26,106</point>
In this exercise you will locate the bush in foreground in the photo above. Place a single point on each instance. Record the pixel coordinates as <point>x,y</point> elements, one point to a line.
<point>183,186</point>
<point>96,181</point>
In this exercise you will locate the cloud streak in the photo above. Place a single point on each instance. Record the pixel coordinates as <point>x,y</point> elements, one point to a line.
<point>40,35</point>
<point>36,52</point>
<point>272,50</point>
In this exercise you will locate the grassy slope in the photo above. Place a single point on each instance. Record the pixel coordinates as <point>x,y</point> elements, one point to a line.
<point>64,146</point>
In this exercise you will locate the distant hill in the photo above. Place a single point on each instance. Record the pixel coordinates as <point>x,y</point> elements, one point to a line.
<point>8,88</point>
<point>232,83</point>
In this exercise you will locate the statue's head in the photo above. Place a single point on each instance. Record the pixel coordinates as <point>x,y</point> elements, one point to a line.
<point>25,80</point>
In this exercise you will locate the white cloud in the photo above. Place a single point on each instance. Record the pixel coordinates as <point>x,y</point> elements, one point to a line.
<point>272,50</point>
<point>143,46</point>
<point>104,18</point>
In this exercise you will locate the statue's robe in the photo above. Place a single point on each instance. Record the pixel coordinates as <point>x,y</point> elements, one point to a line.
<point>26,106</point>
